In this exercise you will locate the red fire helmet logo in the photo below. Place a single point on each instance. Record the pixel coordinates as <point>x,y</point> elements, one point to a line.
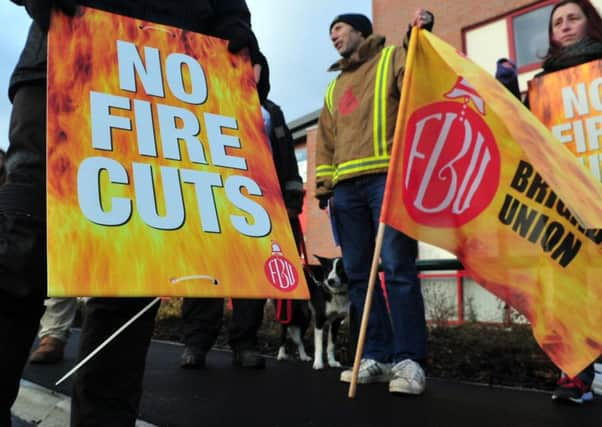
<point>280,272</point>
<point>451,160</point>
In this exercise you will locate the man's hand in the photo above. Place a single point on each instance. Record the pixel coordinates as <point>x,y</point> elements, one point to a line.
<point>39,10</point>
<point>323,202</point>
<point>423,19</point>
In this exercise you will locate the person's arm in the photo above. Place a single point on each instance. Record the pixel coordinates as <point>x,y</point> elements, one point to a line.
<point>422,19</point>
<point>286,161</point>
<point>39,10</point>
<point>293,185</point>
<point>324,158</point>
<point>233,23</point>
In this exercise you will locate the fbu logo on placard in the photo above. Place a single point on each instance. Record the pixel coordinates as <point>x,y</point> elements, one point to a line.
<point>452,161</point>
<point>280,272</point>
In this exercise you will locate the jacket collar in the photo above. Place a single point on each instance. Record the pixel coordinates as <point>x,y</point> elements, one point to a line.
<point>369,48</point>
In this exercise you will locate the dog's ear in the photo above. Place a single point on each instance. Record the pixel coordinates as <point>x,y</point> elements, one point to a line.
<point>325,262</point>
<point>317,270</point>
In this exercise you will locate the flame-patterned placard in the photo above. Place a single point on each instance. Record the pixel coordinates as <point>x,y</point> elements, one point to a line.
<point>569,103</point>
<point>160,175</point>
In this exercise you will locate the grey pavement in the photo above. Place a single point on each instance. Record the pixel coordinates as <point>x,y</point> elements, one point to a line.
<point>291,393</point>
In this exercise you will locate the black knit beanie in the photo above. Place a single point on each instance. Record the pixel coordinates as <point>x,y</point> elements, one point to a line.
<point>358,21</point>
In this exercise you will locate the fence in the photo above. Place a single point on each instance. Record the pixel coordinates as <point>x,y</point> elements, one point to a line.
<point>452,297</point>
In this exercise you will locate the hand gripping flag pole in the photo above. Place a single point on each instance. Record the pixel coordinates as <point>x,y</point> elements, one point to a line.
<point>213,280</point>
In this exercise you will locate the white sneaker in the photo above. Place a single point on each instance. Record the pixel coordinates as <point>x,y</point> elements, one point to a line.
<point>370,371</point>
<point>408,378</point>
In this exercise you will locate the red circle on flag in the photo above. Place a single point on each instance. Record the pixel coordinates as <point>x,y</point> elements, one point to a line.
<point>281,273</point>
<point>452,164</point>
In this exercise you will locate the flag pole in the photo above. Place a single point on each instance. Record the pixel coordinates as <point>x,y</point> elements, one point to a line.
<point>108,340</point>
<point>366,314</point>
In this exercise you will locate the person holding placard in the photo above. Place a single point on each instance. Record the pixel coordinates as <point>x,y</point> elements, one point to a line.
<point>575,35</point>
<point>108,389</point>
<point>202,317</point>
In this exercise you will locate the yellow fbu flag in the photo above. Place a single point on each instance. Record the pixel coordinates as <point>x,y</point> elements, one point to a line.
<point>475,173</point>
<point>160,176</point>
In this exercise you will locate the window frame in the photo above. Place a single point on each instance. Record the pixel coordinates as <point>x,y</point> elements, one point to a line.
<point>512,38</point>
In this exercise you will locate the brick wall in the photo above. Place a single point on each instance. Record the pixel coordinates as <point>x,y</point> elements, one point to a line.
<point>318,234</point>
<point>391,17</point>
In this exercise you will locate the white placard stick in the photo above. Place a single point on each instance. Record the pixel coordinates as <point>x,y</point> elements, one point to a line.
<point>129,322</point>
<point>108,340</point>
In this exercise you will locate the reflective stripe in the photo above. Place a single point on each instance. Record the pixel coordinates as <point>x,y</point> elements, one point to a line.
<point>379,121</point>
<point>324,171</point>
<point>328,99</point>
<point>380,159</point>
<point>360,165</point>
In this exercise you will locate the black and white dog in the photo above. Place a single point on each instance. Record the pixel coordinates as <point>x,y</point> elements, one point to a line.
<point>329,305</point>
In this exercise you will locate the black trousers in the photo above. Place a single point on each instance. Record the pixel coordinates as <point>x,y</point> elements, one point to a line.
<point>203,318</point>
<point>22,242</point>
<point>108,389</point>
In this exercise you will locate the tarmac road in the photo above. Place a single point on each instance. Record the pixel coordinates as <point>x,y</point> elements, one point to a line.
<point>292,394</point>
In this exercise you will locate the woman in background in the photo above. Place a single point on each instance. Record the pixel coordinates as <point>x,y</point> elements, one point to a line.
<point>575,34</point>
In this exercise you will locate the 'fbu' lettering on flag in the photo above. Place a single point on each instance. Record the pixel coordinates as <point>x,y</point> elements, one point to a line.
<point>160,175</point>
<point>475,173</point>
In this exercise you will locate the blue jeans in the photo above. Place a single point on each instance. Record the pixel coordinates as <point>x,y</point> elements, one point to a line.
<point>400,334</point>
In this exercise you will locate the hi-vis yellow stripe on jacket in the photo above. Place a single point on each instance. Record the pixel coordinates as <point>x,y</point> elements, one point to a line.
<point>357,123</point>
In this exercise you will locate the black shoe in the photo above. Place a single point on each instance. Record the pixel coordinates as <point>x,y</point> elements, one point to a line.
<point>572,390</point>
<point>248,359</point>
<point>192,358</point>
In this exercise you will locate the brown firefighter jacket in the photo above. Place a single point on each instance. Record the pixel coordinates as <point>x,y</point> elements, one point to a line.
<point>357,122</point>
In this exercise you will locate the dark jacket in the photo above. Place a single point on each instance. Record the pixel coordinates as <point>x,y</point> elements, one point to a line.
<point>285,162</point>
<point>583,51</point>
<point>213,17</point>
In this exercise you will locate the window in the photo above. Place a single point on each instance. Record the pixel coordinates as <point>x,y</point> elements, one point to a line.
<point>530,36</point>
<point>301,155</point>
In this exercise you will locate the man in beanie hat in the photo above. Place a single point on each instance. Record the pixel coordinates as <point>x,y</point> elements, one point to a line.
<point>355,136</point>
